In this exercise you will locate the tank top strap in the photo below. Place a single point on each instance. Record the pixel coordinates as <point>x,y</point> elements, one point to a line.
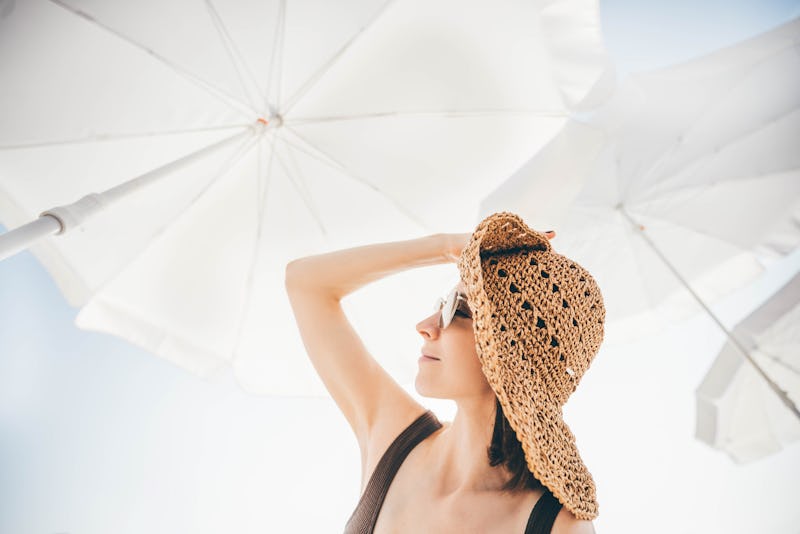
<point>543,514</point>
<point>364,517</point>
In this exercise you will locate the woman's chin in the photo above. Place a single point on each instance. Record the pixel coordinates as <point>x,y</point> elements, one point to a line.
<point>422,388</point>
<point>425,390</point>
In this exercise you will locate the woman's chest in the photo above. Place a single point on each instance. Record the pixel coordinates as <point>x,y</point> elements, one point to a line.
<point>411,506</point>
<point>432,517</point>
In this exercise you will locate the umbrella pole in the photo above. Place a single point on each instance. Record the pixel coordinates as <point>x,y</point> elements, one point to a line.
<point>61,219</point>
<point>781,393</point>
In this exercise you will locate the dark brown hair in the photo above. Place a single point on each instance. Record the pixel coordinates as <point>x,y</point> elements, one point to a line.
<point>506,450</point>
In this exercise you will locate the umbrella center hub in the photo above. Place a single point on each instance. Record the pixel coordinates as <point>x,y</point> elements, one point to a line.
<point>274,121</point>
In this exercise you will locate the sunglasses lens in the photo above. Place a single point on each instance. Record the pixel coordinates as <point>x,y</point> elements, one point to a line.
<point>449,308</point>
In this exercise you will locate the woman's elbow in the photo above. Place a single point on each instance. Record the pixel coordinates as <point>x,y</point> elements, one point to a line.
<point>291,275</point>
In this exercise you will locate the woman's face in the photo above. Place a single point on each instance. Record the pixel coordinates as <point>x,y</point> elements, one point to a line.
<point>458,372</point>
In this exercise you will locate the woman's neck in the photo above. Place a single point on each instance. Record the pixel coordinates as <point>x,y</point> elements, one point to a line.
<point>461,462</point>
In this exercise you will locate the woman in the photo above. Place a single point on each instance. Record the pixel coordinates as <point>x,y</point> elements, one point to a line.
<point>509,345</point>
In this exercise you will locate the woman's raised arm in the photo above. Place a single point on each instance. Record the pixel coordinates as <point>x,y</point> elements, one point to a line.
<point>373,403</point>
<point>341,272</point>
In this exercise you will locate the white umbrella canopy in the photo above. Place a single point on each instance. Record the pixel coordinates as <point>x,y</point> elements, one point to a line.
<point>736,410</point>
<point>346,123</point>
<point>692,169</point>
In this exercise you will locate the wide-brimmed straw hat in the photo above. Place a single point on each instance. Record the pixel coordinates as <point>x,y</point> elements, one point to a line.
<point>538,319</point>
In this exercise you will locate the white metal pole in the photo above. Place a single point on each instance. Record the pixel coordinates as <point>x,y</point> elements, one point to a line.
<point>19,239</point>
<point>736,343</point>
<point>61,219</point>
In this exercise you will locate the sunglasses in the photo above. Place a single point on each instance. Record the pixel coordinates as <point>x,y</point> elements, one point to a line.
<point>448,307</point>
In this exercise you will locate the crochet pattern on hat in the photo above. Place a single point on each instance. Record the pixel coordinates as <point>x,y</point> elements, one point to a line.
<point>538,319</point>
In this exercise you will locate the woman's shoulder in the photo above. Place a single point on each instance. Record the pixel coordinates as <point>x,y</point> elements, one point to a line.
<point>567,523</point>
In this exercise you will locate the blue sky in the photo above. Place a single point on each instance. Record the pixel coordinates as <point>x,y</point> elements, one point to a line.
<point>647,34</point>
<point>87,421</point>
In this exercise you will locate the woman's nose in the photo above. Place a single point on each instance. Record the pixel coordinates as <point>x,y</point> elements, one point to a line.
<point>430,325</point>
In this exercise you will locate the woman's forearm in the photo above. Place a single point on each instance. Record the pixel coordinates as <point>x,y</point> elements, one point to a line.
<point>343,271</point>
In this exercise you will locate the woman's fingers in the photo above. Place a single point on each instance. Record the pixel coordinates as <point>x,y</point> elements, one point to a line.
<point>454,244</point>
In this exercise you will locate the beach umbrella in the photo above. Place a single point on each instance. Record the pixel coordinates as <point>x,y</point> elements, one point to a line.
<point>679,190</point>
<point>736,411</point>
<point>687,180</point>
<point>186,151</point>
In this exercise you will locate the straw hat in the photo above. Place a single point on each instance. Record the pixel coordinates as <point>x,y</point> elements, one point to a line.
<point>538,319</point>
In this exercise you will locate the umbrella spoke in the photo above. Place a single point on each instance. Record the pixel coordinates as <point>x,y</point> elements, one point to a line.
<point>667,214</point>
<point>640,268</point>
<point>234,54</point>
<point>312,81</point>
<point>207,86</point>
<point>264,179</point>
<point>154,238</point>
<point>776,360</point>
<point>707,157</point>
<point>302,183</point>
<point>683,134</point>
<point>276,58</point>
<point>304,194</point>
<point>350,174</point>
<point>318,156</point>
<point>425,114</point>
<point>677,222</point>
<point>264,175</point>
<point>119,136</point>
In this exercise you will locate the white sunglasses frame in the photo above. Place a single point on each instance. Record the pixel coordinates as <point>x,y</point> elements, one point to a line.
<point>449,303</point>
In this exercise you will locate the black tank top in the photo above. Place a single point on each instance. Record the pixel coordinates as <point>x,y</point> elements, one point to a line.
<point>364,517</point>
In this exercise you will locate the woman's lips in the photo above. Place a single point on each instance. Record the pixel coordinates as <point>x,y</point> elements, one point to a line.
<point>426,358</point>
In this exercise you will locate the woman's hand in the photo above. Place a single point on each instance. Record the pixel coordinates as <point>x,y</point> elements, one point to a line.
<point>455,243</point>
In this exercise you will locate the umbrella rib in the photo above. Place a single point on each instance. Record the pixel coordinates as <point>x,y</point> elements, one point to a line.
<point>347,172</point>
<point>233,53</point>
<point>312,81</point>
<point>261,181</point>
<point>684,131</point>
<point>233,159</point>
<point>699,189</point>
<point>307,201</point>
<point>320,157</point>
<point>220,94</point>
<point>703,187</point>
<point>119,136</point>
<point>676,222</point>
<point>302,183</point>
<point>643,286</point>
<point>277,52</point>
<point>263,177</point>
<point>411,114</point>
<point>263,196</point>
<point>778,361</point>
<point>705,156</point>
